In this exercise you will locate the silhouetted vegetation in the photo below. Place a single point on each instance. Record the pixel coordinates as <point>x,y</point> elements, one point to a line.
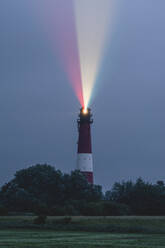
<point>40,220</point>
<point>43,190</point>
<point>3,211</point>
<point>142,198</point>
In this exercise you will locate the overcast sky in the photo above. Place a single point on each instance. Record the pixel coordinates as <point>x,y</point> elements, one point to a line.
<point>38,109</point>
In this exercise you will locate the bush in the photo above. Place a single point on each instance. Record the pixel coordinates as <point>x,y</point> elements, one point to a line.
<point>105,209</point>
<point>57,211</point>
<point>93,209</point>
<point>71,210</point>
<point>66,220</point>
<point>63,211</point>
<point>40,210</point>
<point>3,211</point>
<point>40,220</point>
<point>115,209</point>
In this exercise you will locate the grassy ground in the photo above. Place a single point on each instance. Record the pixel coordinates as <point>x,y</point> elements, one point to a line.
<point>83,232</point>
<point>51,239</point>
<point>141,225</point>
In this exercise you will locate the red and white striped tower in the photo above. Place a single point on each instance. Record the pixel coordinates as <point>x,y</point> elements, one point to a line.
<point>84,156</point>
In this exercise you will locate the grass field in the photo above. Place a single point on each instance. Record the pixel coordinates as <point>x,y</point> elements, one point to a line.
<point>131,224</point>
<point>50,239</point>
<point>83,232</point>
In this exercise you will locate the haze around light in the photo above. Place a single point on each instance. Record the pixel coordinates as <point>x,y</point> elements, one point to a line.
<point>93,20</point>
<point>79,31</point>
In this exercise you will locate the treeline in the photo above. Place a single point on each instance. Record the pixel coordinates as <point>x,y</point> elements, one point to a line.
<point>42,189</point>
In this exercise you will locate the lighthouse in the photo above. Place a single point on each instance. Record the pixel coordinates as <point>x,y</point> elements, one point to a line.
<point>84,155</point>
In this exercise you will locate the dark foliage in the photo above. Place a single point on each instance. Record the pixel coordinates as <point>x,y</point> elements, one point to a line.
<point>3,211</point>
<point>43,190</point>
<point>105,208</point>
<point>40,220</point>
<point>115,209</point>
<point>66,220</point>
<point>142,198</point>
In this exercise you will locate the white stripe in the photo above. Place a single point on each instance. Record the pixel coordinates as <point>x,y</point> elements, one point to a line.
<point>85,162</point>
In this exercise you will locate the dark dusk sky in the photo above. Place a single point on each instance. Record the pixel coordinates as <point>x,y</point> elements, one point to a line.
<point>38,109</point>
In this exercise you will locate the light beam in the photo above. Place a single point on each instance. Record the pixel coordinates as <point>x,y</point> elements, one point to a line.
<point>92,23</point>
<point>78,30</point>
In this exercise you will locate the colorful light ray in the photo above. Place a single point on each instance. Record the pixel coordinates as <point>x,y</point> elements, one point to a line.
<point>60,23</point>
<point>92,22</point>
<point>65,34</point>
<point>78,29</point>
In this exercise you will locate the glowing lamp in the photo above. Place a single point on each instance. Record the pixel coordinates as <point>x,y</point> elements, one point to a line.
<point>85,111</point>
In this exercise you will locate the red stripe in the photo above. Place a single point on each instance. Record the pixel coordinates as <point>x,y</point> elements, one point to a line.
<point>84,142</point>
<point>89,176</point>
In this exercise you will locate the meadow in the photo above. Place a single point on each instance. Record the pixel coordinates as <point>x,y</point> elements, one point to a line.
<point>88,232</point>
<point>121,224</point>
<point>50,239</point>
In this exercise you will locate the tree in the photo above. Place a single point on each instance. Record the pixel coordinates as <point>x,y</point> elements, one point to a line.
<point>16,199</point>
<point>143,198</point>
<point>43,182</point>
<point>40,188</point>
<point>77,188</point>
